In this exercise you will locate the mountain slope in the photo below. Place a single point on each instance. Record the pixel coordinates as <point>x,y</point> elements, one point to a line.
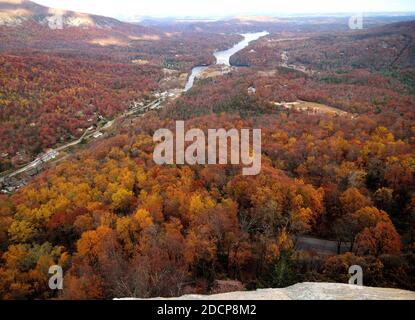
<point>25,24</point>
<point>374,48</point>
<point>17,12</point>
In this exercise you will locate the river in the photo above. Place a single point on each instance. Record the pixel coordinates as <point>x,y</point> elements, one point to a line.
<point>222,57</point>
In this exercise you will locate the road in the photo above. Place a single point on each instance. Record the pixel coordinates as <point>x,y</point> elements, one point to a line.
<point>53,153</point>
<point>320,246</point>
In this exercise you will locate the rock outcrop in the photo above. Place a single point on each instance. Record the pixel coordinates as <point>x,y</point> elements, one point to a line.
<point>310,291</point>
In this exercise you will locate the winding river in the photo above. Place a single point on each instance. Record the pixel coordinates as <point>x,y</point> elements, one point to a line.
<point>222,57</point>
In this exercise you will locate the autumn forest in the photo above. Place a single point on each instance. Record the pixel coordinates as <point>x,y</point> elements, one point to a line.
<point>337,112</point>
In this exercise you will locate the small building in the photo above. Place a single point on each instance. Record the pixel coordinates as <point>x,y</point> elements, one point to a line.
<point>97,134</point>
<point>49,155</point>
<point>251,90</point>
<point>34,168</point>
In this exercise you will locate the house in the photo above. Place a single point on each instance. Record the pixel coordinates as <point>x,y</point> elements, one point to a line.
<point>97,134</point>
<point>49,155</point>
<point>251,90</point>
<point>34,171</point>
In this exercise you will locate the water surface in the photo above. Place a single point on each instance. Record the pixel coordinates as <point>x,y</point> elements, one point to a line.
<point>223,57</point>
<point>195,71</point>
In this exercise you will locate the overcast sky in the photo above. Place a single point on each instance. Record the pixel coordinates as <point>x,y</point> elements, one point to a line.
<point>198,8</point>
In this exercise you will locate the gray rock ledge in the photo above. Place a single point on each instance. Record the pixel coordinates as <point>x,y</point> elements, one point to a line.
<point>307,291</point>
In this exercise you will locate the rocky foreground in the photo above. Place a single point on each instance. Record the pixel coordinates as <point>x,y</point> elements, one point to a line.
<point>310,291</point>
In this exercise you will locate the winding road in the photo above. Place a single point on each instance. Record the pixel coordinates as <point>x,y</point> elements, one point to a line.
<point>222,57</point>
<point>51,154</point>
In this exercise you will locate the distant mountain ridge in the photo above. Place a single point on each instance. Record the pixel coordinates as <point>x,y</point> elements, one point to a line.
<point>18,12</point>
<point>25,24</point>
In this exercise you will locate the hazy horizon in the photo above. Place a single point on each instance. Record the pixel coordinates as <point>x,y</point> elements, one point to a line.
<point>125,9</point>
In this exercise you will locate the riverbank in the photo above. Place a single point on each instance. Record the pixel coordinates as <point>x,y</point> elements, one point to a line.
<point>223,57</point>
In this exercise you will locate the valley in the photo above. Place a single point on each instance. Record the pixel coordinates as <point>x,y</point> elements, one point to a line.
<point>80,105</point>
<point>9,181</point>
